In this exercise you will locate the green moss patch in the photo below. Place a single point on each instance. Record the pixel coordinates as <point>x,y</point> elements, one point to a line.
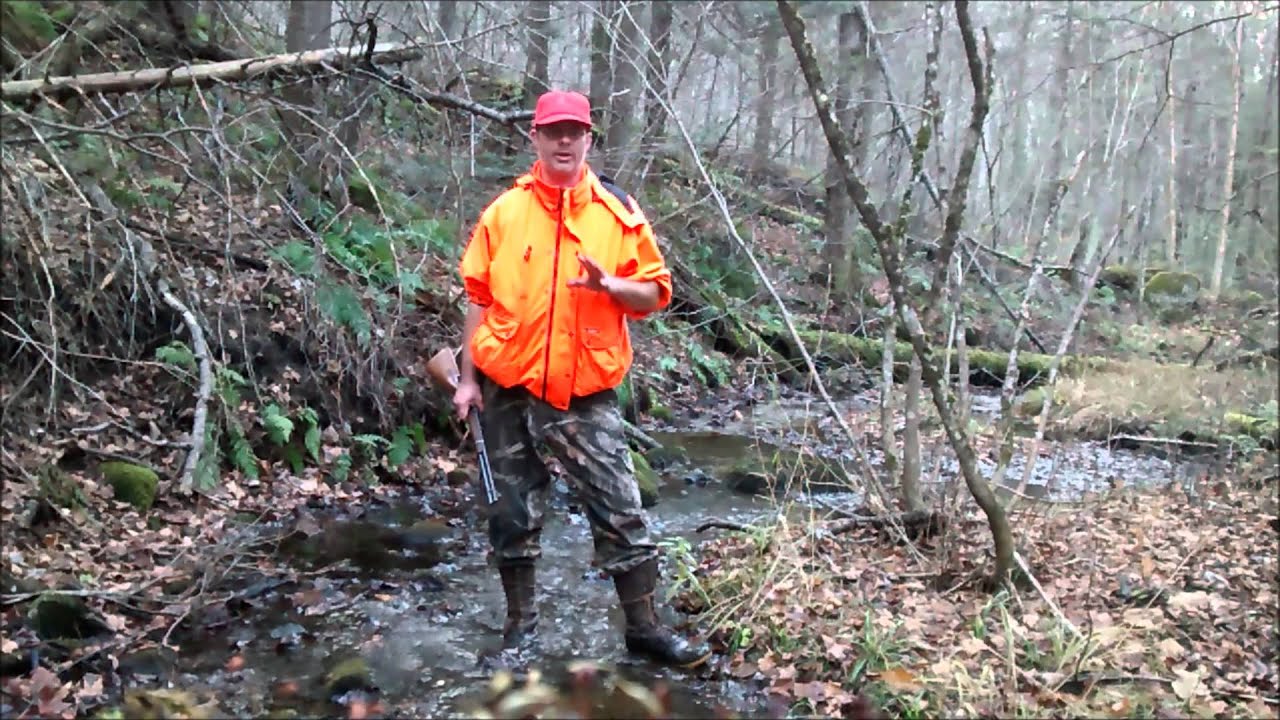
<point>133,484</point>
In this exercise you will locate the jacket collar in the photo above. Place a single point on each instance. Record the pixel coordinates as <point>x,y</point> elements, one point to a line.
<point>576,197</point>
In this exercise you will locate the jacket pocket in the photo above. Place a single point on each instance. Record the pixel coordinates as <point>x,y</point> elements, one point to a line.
<point>602,331</point>
<point>501,324</point>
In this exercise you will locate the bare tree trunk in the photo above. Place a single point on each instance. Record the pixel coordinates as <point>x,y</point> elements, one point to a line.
<point>658,66</point>
<point>601,65</point>
<point>768,75</point>
<point>957,435</point>
<point>1219,260</point>
<point>536,16</point>
<point>912,498</point>
<point>1171,240</point>
<point>837,227</point>
<point>624,129</point>
<point>307,28</point>
<point>887,442</point>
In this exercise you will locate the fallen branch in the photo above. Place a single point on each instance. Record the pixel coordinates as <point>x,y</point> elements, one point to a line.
<point>230,70</point>
<point>1162,441</point>
<point>1026,571</point>
<point>640,437</point>
<point>201,351</point>
<point>722,525</point>
<point>913,520</point>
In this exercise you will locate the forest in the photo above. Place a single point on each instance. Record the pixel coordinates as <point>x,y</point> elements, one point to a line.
<point>965,404</point>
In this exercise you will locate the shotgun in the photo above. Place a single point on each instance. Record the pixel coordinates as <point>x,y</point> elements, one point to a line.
<point>443,369</point>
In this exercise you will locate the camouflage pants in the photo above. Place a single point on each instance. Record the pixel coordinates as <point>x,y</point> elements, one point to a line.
<point>523,434</point>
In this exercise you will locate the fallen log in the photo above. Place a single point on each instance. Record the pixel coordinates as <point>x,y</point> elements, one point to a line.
<point>227,71</point>
<point>986,367</point>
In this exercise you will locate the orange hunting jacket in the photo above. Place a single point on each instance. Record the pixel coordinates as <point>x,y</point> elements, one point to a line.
<point>559,342</point>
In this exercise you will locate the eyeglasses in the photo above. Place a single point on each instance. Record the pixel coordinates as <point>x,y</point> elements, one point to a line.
<point>569,131</point>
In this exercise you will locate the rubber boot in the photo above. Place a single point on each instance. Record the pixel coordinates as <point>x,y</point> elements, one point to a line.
<point>645,634</point>
<point>518,583</point>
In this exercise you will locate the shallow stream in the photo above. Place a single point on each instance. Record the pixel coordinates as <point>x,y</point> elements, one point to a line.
<point>423,633</point>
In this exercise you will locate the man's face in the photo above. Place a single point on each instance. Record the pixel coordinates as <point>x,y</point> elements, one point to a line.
<point>562,148</point>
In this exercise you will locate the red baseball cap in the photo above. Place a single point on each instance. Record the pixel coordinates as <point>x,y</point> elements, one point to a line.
<point>561,105</point>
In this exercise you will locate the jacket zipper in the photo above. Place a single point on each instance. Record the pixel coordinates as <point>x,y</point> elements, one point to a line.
<point>551,311</point>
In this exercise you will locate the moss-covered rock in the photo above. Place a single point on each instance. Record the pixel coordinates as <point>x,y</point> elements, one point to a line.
<point>56,616</point>
<point>784,470</point>
<point>133,484</point>
<point>347,675</point>
<point>646,478</point>
<point>1120,277</point>
<point>1031,402</point>
<point>1172,286</point>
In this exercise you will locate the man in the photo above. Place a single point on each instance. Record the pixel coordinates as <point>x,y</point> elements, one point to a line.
<point>554,268</point>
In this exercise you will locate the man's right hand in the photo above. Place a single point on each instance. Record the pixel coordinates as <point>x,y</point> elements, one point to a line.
<point>467,395</point>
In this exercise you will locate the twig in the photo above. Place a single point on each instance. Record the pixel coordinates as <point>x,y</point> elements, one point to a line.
<point>1026,570</point>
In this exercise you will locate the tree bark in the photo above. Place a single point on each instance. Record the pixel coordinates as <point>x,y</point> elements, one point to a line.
<point>601,66</point>
<point>762,140</point>
<point>1219,260</point>
<point>660,17</point>
<point>537,15</point>
<point>957,435</point>
<point>912,498</point>
<point>624,128</point>
<point>837,226</point>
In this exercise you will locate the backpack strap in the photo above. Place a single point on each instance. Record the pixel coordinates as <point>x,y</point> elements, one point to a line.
<point>616,191</point>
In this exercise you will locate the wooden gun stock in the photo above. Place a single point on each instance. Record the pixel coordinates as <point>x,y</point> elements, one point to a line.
<point>443,370</point>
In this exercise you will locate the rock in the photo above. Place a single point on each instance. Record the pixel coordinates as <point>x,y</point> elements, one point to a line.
<point>1031,402</point>
<point>1180,287</point>
<point>64,617</point>
<point>133,484</point>
<point>164,704</point>
<point>665,456</point>
<point>784,470</point>
<point>661,412</point>
<point>348,675</point>
<point>748,481</point>
<point>646,478</point>
<point>1120,277</point>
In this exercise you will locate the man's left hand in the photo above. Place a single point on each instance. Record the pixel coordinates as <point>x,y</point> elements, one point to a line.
<point>596,278</point>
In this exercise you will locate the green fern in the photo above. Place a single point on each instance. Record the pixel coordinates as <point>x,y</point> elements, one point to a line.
<point>311,436</point>
<point>341,304</point>
<point>242,455</point>
<point>341,467</point>
<point>400,447</point>
<point>279,426</point>
<point>177,353</point>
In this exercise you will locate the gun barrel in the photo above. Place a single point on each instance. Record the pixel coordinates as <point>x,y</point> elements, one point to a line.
<point>486,475</point>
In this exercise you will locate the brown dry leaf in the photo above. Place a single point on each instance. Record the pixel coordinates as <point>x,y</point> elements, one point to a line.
<point>745,670</point>
<point>900,679</point>
<point>1187,684</point>
<point>1120,708</point>
<point>1171,649</point>
<point>1192,600</point>
<point>1148,567</point>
